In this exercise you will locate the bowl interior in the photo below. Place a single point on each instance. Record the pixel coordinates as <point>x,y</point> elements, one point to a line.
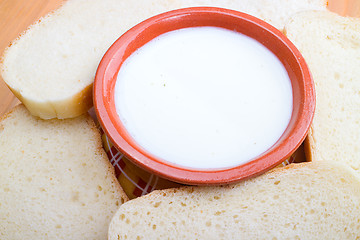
<point>274,40</point>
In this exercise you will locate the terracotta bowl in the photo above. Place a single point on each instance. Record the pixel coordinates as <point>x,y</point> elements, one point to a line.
<point>273,39</point>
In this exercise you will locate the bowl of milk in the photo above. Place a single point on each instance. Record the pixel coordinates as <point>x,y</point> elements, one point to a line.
<point>204,96</point>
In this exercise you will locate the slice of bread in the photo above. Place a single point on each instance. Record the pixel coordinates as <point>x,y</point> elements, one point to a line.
<point>51,67</point>
<point>331,47</point>
<point>316,200</point>
<point>277,13</point>
<point>55,179</point>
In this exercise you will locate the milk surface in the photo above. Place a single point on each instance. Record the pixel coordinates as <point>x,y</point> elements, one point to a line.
<point>204,97</point>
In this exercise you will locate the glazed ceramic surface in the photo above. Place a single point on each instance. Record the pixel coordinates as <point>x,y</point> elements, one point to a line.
<point>274,40</point>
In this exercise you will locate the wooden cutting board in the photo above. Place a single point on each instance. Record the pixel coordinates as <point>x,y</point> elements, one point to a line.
<point>17,15</point>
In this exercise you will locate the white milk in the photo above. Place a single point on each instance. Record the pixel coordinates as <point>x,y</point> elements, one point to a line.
<point>204,97</point>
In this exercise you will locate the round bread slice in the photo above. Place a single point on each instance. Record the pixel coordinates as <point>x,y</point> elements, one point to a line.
<point>55,179</point>
<point>333,55</point>
<point>51,67</point>
<point>317,200</point>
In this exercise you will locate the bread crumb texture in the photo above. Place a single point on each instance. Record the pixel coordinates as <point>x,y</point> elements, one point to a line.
<point>317,200</point>
<point>51,67</point>
<point>330,45</point>
<point>56,181</point>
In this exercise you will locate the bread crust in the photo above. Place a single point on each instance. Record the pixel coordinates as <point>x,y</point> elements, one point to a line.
<point>72,107</point>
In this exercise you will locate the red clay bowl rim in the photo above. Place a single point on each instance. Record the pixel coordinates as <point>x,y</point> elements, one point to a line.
<point>121,49</point>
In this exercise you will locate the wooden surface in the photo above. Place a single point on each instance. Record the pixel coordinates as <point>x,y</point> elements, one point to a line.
<point>349,8</point>
<point>17,15</point>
